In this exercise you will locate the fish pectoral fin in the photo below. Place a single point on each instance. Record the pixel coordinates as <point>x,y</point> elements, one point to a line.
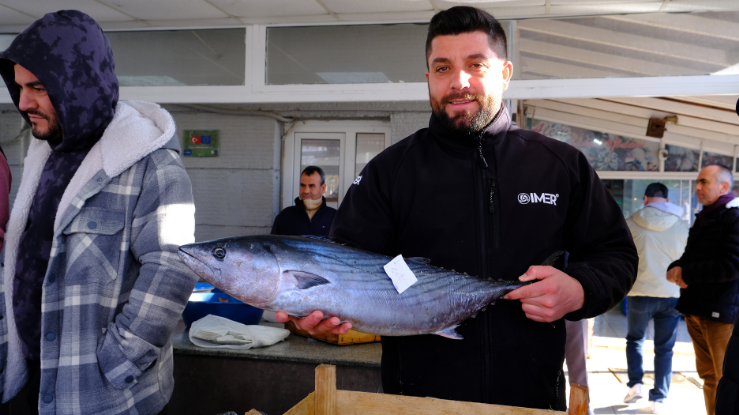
<point>305,280</point>
<point>419,260</point>
<point>450,333</point>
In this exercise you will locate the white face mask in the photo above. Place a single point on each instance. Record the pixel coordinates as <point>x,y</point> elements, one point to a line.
<point>311,204</point>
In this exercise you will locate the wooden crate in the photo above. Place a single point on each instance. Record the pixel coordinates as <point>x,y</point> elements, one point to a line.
<point>326,400</point>
<point>352,337</point>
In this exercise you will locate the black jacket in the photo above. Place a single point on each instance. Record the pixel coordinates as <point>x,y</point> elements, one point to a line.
<point>294,220</point>
<point>711,267</point>
<point>431,195</point>
<point>727,394</point>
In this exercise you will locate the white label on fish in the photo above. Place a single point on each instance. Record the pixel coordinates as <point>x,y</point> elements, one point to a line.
<point>400,274</point>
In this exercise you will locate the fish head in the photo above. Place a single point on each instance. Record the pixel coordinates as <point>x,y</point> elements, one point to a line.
<point>242,267</point>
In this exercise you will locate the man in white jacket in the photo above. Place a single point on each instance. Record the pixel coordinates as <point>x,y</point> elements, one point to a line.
<point>660,237</point>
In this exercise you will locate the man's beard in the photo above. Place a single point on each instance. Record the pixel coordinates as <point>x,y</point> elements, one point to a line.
<point>54,131</point>
<point>466,122</point>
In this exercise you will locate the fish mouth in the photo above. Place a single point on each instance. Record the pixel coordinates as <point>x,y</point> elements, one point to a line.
<point>202,269</point>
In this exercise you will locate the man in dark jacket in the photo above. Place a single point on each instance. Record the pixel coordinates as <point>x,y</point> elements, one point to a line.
<point>476,194</point>
<point>727,393</point>
<point>708,275</point>
<point>309,215</point>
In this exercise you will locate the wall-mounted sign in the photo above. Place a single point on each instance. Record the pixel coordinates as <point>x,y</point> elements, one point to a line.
<point>200,143</point>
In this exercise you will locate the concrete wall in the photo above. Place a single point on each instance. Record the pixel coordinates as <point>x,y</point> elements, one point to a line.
<point>236,193</point>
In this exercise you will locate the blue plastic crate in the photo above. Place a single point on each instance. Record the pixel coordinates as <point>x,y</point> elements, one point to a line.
<point>220,304</point>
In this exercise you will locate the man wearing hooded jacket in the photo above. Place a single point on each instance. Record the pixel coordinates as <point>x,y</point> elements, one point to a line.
<point>660,237</point>
<point>92,285</point>
<point>475,194</point>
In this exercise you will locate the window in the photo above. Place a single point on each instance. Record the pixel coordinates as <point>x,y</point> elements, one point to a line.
<point>346,54</point>
<point>605,152</point>
<point>179,57</point>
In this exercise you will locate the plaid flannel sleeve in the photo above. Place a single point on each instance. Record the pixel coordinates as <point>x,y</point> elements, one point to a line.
<point>163,220</point>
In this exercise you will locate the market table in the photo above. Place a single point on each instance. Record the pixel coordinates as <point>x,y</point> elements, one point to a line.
<point>275,378</point>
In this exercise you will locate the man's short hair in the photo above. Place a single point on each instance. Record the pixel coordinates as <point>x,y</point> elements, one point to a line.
<point>308,171</point>
<point>724,175</point>
<point>656,190</point>
<point>465,19</point>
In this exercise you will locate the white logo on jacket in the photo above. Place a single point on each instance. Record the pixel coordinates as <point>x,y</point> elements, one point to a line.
<point>548,198</point>
<point>358,179</point>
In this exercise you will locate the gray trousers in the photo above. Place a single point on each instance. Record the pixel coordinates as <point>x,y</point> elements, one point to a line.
<point>576,355</point>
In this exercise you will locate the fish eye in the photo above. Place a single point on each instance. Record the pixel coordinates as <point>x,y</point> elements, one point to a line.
<point>219,252</point>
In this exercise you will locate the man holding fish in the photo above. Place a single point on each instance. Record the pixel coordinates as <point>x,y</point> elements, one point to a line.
<point>509,199</point>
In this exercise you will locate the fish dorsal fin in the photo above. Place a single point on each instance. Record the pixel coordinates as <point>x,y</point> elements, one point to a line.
<point>419,260</point>
<point>307,280</point>
<point>450,333</point>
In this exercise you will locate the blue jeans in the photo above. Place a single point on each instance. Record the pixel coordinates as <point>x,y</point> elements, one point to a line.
<point>639,310</point>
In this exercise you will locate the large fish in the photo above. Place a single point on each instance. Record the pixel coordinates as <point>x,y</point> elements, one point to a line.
<point>300,275</point>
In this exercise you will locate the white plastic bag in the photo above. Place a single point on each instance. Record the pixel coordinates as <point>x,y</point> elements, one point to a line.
<point>218,332</point>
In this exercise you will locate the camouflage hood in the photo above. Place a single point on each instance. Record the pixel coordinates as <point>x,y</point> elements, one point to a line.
<point>70,55</point>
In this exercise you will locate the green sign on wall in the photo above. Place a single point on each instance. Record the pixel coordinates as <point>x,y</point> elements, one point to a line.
<point>200,143</point>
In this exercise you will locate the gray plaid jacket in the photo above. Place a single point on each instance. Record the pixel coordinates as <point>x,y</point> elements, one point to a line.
<point>115,287</point>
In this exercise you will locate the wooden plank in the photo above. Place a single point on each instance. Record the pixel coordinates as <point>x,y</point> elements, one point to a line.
<point>325,402</point>
<point>304,407</point>
<point>578,400</point>
<point>253,412</point>
<point>363,403</point>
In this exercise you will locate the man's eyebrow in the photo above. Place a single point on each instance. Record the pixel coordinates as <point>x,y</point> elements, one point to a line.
<point>473,56</point>
<point>478,56</point>
<point>443,60</point>
<point>31,84</point>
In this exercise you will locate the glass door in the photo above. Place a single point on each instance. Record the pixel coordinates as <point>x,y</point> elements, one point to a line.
<point>324,150</point>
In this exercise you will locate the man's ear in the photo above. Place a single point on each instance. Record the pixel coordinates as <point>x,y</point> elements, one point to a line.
<point>725,188</point>
<point>507,73</point>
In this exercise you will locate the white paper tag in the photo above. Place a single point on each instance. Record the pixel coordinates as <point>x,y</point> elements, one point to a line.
<point>400,274</point>
<point>715,314</point>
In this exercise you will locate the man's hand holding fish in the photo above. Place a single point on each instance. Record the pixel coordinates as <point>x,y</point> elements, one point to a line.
<point>315,324</point>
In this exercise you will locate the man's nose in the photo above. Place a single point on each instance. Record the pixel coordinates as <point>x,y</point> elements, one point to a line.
<point>25,103</point>
<point>460,80</point>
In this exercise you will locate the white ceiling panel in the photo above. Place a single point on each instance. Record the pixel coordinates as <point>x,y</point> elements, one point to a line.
<point>98,11</point>
<point>604,8</point>
<point>517,12</point>
<point>116,14</point>
<point>487,4</point>
<point>363,6</point>
<point>166,9</point>
<point>389,17</point>
<point>130,25</point>
<point>288,20</point>
<point>701,5</point>
<point>553,2</point>
<point>197,23</point>
<point>11,17</point>
<point>270,8</point>
<point>720,101</point>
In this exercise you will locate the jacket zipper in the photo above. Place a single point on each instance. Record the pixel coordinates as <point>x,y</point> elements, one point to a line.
<point>487,361</point>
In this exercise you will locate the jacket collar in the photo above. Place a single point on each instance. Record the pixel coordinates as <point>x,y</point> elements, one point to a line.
<point>460,145</point>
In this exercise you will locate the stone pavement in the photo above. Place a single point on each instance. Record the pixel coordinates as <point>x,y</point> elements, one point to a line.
<point>608,377</point>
